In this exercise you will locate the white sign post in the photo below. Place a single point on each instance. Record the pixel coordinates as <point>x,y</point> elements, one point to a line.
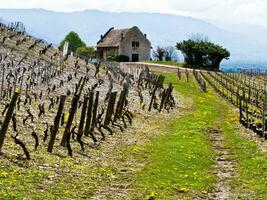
<point>65,48</point>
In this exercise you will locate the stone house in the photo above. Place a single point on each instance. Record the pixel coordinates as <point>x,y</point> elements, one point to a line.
<point>130,42</point>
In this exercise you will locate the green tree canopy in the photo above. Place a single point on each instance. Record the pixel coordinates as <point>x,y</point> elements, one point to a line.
<point>202,53</point>
<point>74,41</point>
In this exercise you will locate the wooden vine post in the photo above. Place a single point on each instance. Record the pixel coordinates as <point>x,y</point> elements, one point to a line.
<point>81,125</point>
<point>89,114</point>
<point>8,117</point>
<point>120,105</point>
<point>74,105</point>
<point>264,112</point>
<point>56,124</point>
<point>94,117</point>
<point>2,82</point>
<point>110,109</point>
<point>158,84</point>
<point>166,96</point>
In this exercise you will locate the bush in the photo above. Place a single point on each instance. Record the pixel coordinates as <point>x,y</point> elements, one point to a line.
<point>120,58</point>
<point>111,58</point>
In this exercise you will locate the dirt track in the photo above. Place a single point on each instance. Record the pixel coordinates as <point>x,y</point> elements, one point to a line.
<point>159,67</point>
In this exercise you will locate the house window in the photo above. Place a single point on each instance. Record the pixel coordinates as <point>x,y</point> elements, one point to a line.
<point>135,44</point>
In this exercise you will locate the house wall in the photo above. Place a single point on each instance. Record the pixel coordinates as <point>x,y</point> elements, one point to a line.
<point>107,51</point>
<point>144,48</point>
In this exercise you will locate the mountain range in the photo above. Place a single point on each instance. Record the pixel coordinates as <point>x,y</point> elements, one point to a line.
<point>247,43</point>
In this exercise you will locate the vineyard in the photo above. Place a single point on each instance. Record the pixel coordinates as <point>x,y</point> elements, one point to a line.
<point>246,91</point>
<point>48,98</point>
<point>75,129</point>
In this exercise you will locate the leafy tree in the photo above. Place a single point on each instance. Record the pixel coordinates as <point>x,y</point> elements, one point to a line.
<point>203,53</point>
<point>86,51</point>
<point>165,53</point>
<point>159,53</point>
<point>74,41</point>
<point>170,54</point>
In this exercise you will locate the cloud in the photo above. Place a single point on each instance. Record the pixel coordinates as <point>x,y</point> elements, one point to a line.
<point>239,11</point>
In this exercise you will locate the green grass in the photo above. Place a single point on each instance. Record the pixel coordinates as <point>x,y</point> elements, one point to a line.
<point>68,180</point>
<point>252,162</point>
<point>180,161</point>
<point>251,166</point>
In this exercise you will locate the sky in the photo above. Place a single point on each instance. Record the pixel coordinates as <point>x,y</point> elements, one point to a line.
<point>235,11</point>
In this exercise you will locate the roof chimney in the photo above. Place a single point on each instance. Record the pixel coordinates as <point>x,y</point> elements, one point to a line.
<point>122,36</point>
<point>145,35</point>
<point>101,37</point>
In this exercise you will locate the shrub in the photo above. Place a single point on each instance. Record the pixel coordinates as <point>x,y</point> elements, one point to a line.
<point>120,58</point>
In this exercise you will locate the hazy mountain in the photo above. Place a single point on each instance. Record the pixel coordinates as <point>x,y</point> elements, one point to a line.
<point>255,32</point>
<point>246,43</point>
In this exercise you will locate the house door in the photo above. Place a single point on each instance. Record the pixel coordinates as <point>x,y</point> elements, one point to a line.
<point>135,57</point>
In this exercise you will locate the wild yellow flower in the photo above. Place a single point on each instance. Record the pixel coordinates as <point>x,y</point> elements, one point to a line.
<point>183,190</point>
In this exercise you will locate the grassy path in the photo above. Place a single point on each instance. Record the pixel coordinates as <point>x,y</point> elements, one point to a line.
<point>181,161</point>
